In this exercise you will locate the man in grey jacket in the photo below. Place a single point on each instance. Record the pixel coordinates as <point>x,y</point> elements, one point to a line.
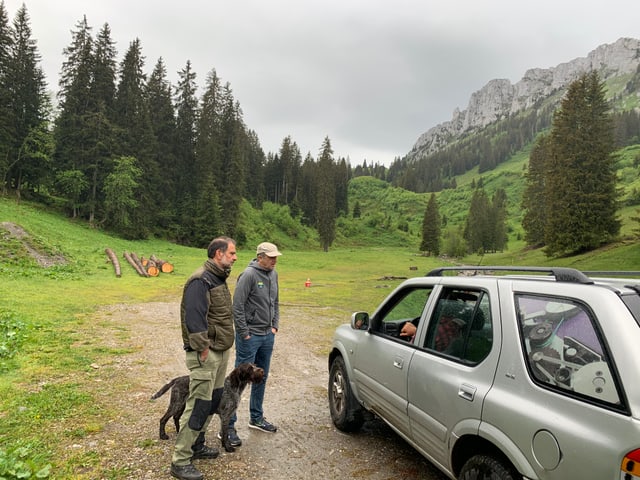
<point>256,314</point>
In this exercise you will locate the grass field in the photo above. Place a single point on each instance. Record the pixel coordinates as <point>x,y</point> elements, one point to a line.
<point>43,311</point>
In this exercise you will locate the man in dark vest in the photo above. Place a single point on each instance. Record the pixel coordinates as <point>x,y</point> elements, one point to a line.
<point>206,316</point>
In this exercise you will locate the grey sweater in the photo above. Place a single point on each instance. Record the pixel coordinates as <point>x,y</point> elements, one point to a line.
<point>255,301</point>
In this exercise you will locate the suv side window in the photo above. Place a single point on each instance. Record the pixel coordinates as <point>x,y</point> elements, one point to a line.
<point>563,349</point>
<point>461,325</point>
<point>406,306</point>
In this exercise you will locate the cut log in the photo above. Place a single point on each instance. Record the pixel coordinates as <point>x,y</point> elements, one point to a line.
<point>135,265</point>
<point>165,267</point>
<point>151,268</point>
<point>114,260</point>
<point>139,263</point>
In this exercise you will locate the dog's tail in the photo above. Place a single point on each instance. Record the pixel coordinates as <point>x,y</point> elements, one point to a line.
<point>164,389</point>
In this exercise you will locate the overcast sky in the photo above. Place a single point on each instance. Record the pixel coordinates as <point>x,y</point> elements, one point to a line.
<point>372,75</point>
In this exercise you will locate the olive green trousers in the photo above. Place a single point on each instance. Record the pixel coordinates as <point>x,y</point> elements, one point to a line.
<point>204,377</point>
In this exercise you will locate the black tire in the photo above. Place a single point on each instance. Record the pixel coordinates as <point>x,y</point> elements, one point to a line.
<point>485,467</point>
<point>347,415</point>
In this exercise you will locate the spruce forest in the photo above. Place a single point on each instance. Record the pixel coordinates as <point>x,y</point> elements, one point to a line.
<point>137,156</point>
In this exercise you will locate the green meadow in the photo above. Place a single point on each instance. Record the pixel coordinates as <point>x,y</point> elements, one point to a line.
<point>47,314</point>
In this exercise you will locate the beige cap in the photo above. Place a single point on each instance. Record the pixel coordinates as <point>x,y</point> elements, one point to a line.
<point>269,249</point>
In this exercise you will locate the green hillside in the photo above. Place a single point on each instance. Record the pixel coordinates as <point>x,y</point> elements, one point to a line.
<point>48,309</point>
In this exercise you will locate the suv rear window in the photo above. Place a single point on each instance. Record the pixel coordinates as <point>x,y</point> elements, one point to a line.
<point>563,349</point>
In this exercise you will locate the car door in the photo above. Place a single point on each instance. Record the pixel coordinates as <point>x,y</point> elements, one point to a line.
<point>558,396</point>
<point>382,359</point>
<point>453,369</point>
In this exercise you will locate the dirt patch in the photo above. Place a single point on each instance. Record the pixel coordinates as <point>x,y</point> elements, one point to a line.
<point>307,445</point>
<point>43,259</point>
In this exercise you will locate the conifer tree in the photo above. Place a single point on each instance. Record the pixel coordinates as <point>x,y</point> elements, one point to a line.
<point>342,187</point>
<point>497,224</point>
<point>533,197</point>
<point>159,102</point>
<point>186,107</point>
<point>431,228</point>
<point>326,196</point>
<point>102,89</point>
<point>120,201</point>
<point>580,184</point>
<point>29,108</point>
<point>6,130</point>
<point>136,136</point>
<point>476,231</point>
<point>208,162</point>
<point>231,181</point>
<point>286,172</point>
<point>255,190</point>
<point>309,188</point>
<point>74,141</point>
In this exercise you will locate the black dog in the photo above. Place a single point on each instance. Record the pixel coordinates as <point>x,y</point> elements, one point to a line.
<point>224,401</point>
<point>179,392</point>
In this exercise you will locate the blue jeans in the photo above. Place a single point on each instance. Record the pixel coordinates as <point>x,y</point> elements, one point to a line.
<point>256,349</point>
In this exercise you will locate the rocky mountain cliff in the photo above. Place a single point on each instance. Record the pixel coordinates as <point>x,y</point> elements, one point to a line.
<point>499,98</point>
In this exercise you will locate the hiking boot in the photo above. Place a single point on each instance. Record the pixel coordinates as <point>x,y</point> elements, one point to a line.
<point>234,439</point>
<point>205,452</point>
<point>185,472</point>
<point>263,425</point>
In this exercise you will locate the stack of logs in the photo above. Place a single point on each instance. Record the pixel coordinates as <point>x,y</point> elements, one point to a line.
<point>145,267</point>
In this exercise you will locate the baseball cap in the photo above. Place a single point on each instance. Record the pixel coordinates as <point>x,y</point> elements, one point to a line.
<point>269,249</point>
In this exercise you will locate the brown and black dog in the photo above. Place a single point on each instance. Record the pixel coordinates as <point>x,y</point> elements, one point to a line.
<point>225,400</point>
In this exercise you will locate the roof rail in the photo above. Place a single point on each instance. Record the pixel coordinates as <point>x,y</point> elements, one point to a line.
<point>561,274</point>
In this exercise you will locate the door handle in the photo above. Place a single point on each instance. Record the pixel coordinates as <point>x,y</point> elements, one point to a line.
<point>398,362</point>
<point>466,391</point>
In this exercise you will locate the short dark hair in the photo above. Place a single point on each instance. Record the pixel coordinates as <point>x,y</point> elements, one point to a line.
<point>219,243</point>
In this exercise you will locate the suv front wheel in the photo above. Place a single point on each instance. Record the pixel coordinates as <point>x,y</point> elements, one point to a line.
<point>346,413</point>
<point>485,467</point>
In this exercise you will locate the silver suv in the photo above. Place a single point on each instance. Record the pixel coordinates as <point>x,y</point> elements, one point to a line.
<point>533,373</point>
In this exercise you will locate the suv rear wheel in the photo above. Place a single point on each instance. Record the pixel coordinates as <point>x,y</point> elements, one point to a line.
<point>346,413</point>
<point>484,467</point>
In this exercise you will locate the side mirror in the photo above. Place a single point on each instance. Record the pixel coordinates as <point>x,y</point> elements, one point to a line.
<point>360,321</point>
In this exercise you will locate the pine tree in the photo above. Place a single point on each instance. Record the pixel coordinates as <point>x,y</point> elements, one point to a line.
<point>342,187</point>
<point>102,90</point>
<point>476,231</point>
<point>255,190</point>
<point>186,107</point>
<point>580,184</point>
<point>29,108</point>
<point>533,197</point>
<point>6,128</point>
<point>231,182</point>
<point>431,228</point>
<point>208,162</point>
<point>136,136</point>
<point>74,141</point>
<point>120,201</point>
<point>326,196</point>
<point>497,225</point>
<point>309,191</point>
<point>160,105</point>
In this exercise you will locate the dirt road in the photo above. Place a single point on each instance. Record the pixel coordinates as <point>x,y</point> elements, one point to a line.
<point>306,446</point>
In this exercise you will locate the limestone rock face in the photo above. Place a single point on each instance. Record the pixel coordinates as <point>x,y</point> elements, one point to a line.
<point>499,98</point>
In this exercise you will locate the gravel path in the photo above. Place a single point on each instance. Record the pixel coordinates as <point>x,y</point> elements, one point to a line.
<point>306,446</point>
